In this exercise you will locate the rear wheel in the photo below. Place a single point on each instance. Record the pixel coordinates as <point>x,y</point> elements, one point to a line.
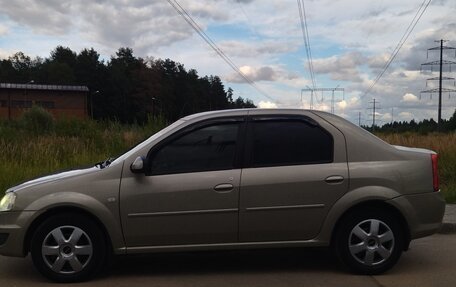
<point>68,248</point>
<point>369,241</point>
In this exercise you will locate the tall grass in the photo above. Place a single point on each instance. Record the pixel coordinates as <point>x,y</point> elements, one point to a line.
<point>444,145</point>
<point>26,154</point>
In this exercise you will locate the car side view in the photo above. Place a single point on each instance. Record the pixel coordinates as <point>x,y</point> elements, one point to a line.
<point>233,179</point>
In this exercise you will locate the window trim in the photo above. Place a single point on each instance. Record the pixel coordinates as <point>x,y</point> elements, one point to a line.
<point>248,154</point>
<point>240,140</point>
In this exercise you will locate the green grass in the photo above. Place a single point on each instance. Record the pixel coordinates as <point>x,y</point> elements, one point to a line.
<point>27,154</point>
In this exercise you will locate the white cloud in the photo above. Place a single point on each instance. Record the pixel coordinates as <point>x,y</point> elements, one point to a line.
<point>406,116</point>
<point>342,104</point>
<point>265,73</point>
<point>410,98</point>
<point>267,105</point>
<point>3,30</point>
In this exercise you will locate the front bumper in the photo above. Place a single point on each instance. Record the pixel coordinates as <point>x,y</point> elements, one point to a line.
<point>423,212</point>
<point>13,227</point>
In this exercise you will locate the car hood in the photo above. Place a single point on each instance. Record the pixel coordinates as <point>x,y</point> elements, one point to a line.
<point>53,177</point>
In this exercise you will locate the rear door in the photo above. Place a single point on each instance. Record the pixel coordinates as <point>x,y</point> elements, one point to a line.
<point>295,170</point>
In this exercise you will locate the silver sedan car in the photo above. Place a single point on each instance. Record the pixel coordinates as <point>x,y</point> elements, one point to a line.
<point>231,179</point>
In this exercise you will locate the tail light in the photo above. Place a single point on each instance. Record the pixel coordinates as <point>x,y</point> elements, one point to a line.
<point>435,171</point>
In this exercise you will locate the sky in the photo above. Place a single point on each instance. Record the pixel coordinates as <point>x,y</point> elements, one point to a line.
<point>350,42</point>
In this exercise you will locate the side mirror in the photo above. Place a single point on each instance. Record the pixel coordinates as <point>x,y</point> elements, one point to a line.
<point>139,165</point>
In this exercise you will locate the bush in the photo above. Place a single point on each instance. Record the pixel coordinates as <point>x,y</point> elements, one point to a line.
<point>37,120</point>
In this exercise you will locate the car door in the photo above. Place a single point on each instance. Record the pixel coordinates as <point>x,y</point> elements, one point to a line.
<point>191,193</point>
<point>295,170</point>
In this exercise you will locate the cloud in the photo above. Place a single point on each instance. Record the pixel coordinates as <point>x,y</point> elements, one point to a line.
<point>265,73</point>
<point>50,17</point>
<point>409,98</point>
<point>406,116</point>
<point>341,68</point>
<point>255,49</point>
<point>3,30</point>
<point>267,105</point>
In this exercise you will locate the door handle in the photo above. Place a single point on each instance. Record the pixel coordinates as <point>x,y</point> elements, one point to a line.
<point>223,187</point>
<point>334,179</point>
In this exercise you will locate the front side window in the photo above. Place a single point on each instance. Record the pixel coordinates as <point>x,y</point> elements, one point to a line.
<point>209,148</point>
<point>289,142</point>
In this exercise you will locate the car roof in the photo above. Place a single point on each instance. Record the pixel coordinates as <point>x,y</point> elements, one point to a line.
<point>243,112</point>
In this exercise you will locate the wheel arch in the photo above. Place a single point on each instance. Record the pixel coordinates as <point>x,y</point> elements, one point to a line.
<point>375,204</point>
<point>59,210</point>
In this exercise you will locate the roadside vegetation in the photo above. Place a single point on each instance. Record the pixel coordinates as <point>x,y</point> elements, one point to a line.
<point>36,144</point>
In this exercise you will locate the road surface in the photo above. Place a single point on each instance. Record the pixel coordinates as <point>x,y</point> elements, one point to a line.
<point>430,261</point>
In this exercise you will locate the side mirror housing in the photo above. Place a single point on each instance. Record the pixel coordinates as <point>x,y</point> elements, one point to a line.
<point>139,165</point>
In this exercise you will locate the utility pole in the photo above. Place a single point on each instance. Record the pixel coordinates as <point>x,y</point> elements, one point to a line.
<point>359,119</point>
<point>374,109</point>
<point>440,89</point>
<point>322,90</point>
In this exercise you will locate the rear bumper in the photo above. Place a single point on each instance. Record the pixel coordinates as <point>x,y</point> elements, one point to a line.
<point>423,212</point>
<point>13,226</point>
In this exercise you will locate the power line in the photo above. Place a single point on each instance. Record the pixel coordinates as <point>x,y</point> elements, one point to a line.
<point>189,19</point>
<point>401,42</point>
<point>252,28</point>
<point>305,37</point>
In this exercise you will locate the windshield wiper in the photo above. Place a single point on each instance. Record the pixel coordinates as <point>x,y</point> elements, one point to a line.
<point>106,163</point>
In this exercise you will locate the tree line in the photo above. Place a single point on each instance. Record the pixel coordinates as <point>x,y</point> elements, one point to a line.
<point>125,88</point>
<point>424,126</point>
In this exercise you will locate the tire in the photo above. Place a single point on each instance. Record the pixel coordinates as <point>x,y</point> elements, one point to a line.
<point>369,241</point>
<point>68,248</point>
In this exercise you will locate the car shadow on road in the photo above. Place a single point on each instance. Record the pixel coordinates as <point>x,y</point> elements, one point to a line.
<point>252,261</point>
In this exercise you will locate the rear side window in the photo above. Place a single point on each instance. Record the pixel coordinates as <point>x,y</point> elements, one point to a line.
<point>289,142</point>
<point>209,148</point>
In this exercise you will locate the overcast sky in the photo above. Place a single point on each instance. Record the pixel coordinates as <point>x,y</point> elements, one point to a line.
<point>350,43</point>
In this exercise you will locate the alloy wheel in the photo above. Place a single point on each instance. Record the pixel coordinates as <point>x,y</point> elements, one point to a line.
<point>67,249</point>
<point>371,242</point>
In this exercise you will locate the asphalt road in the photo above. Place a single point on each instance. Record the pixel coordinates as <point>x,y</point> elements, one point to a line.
<point>429,262</point>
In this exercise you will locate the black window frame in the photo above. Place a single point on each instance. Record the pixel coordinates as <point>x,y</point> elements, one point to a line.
<point>248,155</point>
<point>239,149</point>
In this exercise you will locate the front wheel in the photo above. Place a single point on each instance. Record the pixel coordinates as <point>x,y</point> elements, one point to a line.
<point>369,241</point>
<point>68,248</point>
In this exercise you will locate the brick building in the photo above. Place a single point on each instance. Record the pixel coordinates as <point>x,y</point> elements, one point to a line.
<point>67,101</point>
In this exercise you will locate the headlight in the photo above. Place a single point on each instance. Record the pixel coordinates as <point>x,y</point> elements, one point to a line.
<point>7,201</point>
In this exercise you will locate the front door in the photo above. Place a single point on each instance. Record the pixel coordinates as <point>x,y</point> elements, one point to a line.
<point>191,194</point>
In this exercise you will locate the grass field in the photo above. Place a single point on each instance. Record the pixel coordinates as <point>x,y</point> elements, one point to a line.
<point>27,152</point>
